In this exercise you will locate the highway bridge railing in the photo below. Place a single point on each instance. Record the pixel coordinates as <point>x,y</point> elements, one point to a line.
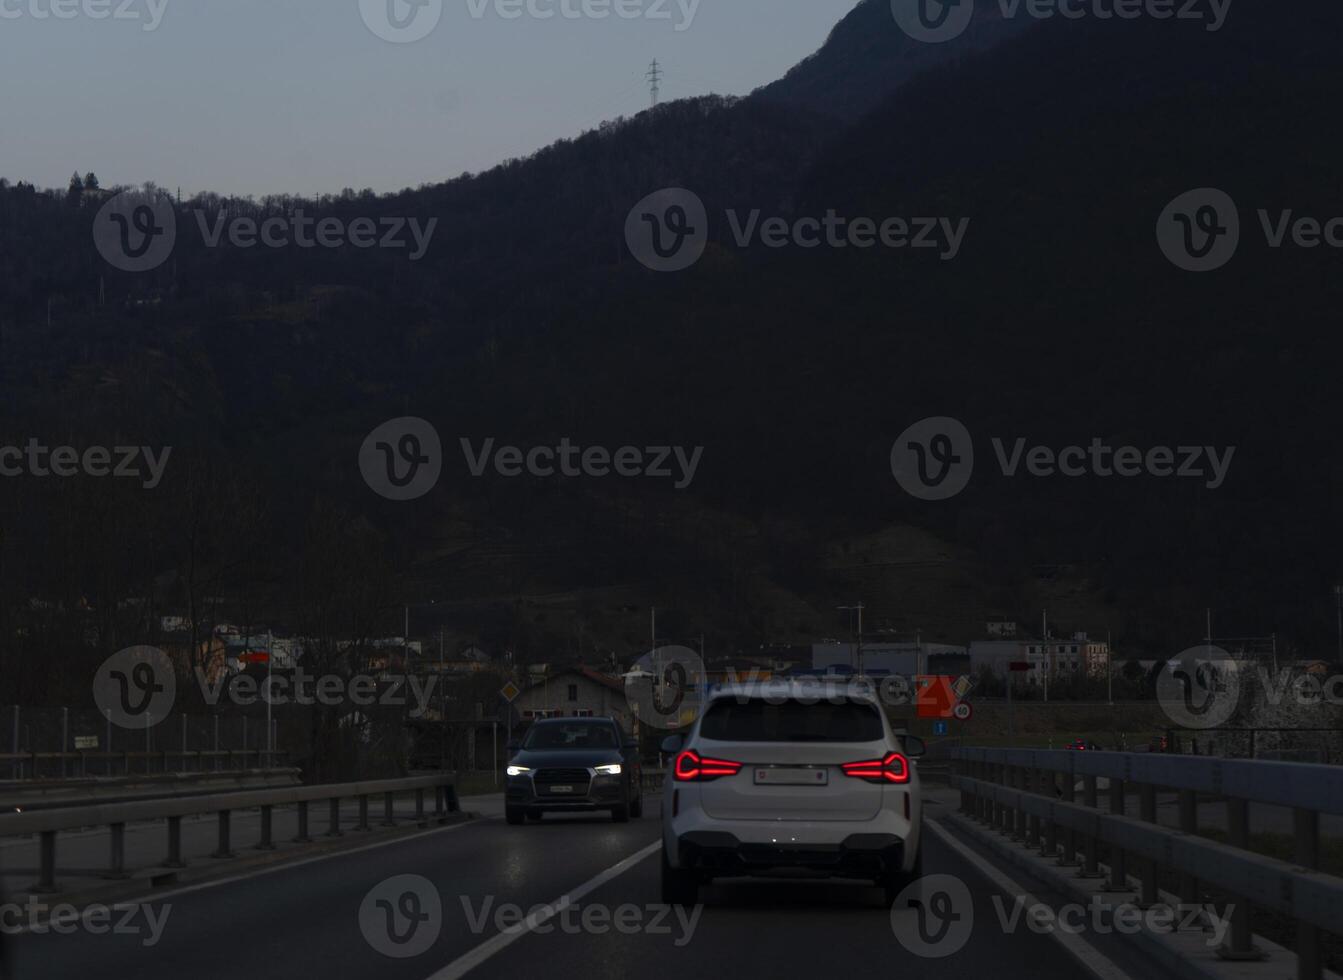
<point>1033,796</point>
<point>47,824</point>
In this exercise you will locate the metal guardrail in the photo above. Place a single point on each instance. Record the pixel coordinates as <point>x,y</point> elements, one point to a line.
<point>1019,792</point>
<point>48,823</point>
<point>29,765</point>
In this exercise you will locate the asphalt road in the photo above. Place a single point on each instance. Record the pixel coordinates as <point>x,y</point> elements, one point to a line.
<point>305,920</point>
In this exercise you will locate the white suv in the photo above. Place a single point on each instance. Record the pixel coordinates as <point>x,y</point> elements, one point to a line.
<point>791,779</point>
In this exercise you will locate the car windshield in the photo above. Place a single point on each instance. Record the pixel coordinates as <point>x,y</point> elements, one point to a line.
<point>759,720</point>
<point>571,735</point>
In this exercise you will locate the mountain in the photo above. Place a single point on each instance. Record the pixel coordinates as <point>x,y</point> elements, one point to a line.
<point>868,57</point>
<point>1060,321</point>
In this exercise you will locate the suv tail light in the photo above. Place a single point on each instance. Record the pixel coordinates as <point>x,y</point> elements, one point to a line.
<point>892,769</point>
<point>691,767</point>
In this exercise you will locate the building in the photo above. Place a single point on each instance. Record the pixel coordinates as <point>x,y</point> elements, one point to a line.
<point>575,692</point>
<point>903,659</point>
<point>1062,657</point>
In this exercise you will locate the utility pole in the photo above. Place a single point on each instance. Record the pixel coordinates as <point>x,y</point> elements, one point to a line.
<point>1049,654</point>
<point>1338,594</point>
<point>858,638</point>
<point>655,81</point>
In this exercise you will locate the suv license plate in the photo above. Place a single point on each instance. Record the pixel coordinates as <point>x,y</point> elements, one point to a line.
<point>561,789</point>
<point>792,777</point>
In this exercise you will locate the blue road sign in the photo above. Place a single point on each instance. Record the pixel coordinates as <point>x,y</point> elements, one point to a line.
<point>940,728</point>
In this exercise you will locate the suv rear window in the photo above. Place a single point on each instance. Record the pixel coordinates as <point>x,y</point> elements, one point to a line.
<point>759,720</point>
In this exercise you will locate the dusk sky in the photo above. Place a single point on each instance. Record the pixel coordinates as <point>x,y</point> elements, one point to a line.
<point>267,96</point>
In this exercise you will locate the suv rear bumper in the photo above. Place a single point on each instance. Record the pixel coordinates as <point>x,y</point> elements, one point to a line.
<point>856,856</point>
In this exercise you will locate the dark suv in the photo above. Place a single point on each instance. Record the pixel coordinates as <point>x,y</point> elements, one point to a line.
<point>574,765</point>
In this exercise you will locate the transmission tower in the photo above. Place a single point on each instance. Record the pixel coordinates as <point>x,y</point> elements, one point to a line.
<point>654,81</point>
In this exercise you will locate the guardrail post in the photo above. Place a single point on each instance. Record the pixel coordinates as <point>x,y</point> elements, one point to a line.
<point>419,806</point>
<point>388,816</point>
<point>302,836</point>
<point>1068,859</point>
<point>1034,779</point>
<point>1019,812</point>
<point>225,824</point>
<point>174,844</point>
<point>1309,956</point>
<point>333,830</point>
<point>363,813</point>
<point>46,874</point>
<point>1091,869</point>
<point>266,843</point>
<point>1188,802</point>
<point>1118,872</point>
<point>1150,893</point>
<point>1241,946</point>
<point>117,863</point>
<point>450,798</point>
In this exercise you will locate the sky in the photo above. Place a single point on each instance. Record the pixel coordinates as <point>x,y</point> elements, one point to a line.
<point>312,96</point>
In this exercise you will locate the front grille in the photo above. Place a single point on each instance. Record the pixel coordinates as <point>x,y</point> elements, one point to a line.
<point>577,778</point>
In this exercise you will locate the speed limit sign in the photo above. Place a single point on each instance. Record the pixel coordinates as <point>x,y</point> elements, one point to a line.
<point>962,711</point>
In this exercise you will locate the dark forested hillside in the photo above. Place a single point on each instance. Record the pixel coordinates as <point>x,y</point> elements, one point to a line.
<point>528,320</point>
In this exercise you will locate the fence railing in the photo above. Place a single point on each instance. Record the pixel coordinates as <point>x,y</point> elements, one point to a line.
<point>48,823</point>
<point>1032,795</point>
<point>65,765</point>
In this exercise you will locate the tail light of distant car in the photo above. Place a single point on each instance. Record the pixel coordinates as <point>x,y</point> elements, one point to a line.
<point>690,767</point>
<point>894,768</point>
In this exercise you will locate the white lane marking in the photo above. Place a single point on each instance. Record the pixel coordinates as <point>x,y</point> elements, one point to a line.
<point>496,944</point>
<point>1097,963</point>
<point>153,898</point>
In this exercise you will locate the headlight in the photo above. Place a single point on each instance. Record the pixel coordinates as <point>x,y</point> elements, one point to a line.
<point>614,770</point>
<point>517,770</point>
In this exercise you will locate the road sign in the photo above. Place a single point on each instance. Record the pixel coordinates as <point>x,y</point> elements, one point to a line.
<point>963,711</point>
<point>509,692</point>
<point>941,728</point>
